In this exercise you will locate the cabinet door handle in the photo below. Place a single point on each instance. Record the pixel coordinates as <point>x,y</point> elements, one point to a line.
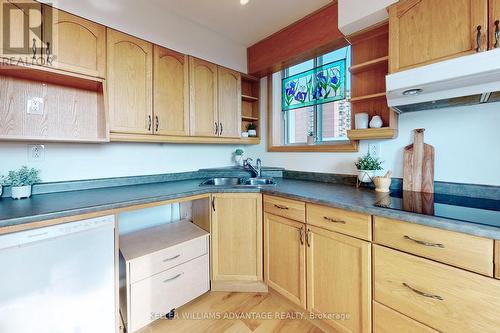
<point>281,207</point>
<point>173,278</point>
<point>497,34</point>
<point>149,123</point>
<point>173,258</point>
<point>216,128</point>
<point>157,123</point>
<point>33,49</point>
<point>47,52</point>
<point>423,243</point>
<point>308,236</point>
<point>421,293</point>
<point>478,38</point>
<point>221,128</point>
<point>213,204</point>
<point>301,234</point>
<point>329,219</point>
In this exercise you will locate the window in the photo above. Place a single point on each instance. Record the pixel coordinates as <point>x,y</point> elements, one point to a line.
<point>314,98</point>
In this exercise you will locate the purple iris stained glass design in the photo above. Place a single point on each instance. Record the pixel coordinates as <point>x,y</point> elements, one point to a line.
<point>320,85</point>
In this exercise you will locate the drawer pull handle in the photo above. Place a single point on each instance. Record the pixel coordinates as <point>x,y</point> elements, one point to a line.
<point>281,207</point>
<point>424,243</point>
<point>301,233</point>
<point>308,236</point>
<point>421,293</point>
<point>329,219</point>
<point>170,259</point>
<point>173,278</point>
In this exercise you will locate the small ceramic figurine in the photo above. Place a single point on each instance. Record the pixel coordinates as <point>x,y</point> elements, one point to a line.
<point>376,122</point>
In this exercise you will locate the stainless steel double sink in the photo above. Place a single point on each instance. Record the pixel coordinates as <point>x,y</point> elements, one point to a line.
<point>237,182</point>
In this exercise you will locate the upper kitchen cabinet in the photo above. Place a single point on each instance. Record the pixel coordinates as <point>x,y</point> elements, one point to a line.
<point>171,92</point>
<point>21,29</point>
<point>494,23</point>
<point>229,101</point>
<point>130,83</point>
<point>75,44</point>
<point>203,98</point>
<point>419,34</point>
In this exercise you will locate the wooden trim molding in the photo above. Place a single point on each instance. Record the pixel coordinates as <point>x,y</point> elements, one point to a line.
<point>349,146</point>
<point>313,35</point>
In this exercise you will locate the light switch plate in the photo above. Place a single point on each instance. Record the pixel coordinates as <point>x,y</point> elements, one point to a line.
<point>36,153</point>
<point>374,149</point>
<point>35,106</point>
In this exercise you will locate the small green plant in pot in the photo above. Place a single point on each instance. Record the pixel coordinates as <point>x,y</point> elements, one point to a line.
<point>252,129</point>
<point>21,181</point>
<point>238,156</point>
<point>367,165</point>
<point>310,137</point>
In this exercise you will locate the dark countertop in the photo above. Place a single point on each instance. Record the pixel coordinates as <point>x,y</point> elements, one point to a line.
<point>62,204</point>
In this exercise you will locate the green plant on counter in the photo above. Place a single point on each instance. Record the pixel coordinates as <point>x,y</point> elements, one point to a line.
<point>310,133</point>
<point>251,126</point>
<point>23,177</point>
<point>3,180</point>
<point>368,162</point>
<point>239,152</point>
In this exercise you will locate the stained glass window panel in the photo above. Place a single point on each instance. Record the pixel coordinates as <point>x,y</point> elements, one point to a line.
<point>323,84</point>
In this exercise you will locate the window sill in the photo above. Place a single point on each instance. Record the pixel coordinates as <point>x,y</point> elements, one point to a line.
<point>347,147</point>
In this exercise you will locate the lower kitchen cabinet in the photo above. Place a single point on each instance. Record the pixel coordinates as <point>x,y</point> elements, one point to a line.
<point>386,320</point>
<point>285,256</point>
<point>236,232</point>
<point>339,280</point>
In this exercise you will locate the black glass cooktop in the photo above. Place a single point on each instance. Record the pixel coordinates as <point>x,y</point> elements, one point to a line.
<point>475,210</point>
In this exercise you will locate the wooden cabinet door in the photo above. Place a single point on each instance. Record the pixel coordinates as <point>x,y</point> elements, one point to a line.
<point>229,101</point>
<point>75,44</point>
<point>339,279</point>
<point>203,98</point>
<point>494,10</point>
<point>130,83</point>
<point>285,257</point>
<point>171,92</point>
<point>237,237</point>
<point>426,31</point>
<point>21,30</point>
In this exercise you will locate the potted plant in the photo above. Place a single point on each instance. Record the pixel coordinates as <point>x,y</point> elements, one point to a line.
<point>3,181</point>
<point>22,181</point>
<point>367,165</point>
<point>310,137</point>
<point>238,156</point>
<point>252,129</point>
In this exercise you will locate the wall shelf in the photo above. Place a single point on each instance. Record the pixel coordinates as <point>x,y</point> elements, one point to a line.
<point>368,65</point>
<point>372,133</point>
<point>368,97</point>
<point>249,98</point>
<point>249,118</point>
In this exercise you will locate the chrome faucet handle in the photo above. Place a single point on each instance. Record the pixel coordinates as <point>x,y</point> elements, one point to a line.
<point>247,161</point>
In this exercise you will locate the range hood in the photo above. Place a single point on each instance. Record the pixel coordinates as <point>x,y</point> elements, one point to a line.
<point>467,80</point>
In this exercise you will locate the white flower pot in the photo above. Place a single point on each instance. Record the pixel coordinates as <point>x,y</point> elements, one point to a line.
<point>21,192</point>
<point>244,134</point>
<point>310,140</point>
<point>238,159</point>
<point>252,132</point>
<point>366,176</point>
<point>1,190</point>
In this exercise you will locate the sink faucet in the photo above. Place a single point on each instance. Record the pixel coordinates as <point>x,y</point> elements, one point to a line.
<point>257,170</point>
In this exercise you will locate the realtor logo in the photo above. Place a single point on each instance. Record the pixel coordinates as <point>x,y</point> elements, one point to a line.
<point>26,33</point>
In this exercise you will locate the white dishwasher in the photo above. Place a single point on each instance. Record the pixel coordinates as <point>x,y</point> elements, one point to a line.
<point>59,279</point>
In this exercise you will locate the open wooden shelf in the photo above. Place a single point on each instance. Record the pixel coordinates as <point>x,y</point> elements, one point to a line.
<point>368,65</point>
<point>372,133</point>
<point>249,118</point>
<point>249,98</point>
<point>368,97</point>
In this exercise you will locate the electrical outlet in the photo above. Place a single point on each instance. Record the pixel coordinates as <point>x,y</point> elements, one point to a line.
<point>374,149</point>
<point>35,106</point>
<point>36,153</point>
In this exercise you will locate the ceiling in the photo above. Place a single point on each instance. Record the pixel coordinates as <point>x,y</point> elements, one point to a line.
<point>247,24</point>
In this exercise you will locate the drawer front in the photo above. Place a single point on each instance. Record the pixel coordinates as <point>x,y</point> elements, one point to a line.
<point>292,209</point>
<point>453,248</point>
<point>343,221</point>
<point>154,263</point>
<point>386,320</point>
<point>445,298</point>
<point>152,298</point>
